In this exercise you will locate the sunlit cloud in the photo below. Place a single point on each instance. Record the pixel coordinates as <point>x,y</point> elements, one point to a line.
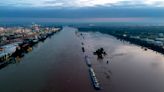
<point>82,3</point>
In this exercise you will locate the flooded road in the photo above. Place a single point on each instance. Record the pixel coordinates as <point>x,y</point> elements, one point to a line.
<point>57,65</point>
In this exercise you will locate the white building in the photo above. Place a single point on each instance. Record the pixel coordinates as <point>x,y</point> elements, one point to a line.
<point>8,49</point>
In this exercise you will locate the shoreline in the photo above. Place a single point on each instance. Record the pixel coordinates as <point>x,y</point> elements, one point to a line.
<point>120,36</point>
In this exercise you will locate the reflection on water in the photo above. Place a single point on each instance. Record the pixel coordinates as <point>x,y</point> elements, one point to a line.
<point>57,65</point>
<point>129,68</point>
<point>12,60</point>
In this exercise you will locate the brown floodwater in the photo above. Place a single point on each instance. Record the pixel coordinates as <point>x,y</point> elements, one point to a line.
<point>58,65</point>
<point>130,68</point>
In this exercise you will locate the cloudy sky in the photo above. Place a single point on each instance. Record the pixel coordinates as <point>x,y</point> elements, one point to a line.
<point>114,10</point>
<point>81,3</point>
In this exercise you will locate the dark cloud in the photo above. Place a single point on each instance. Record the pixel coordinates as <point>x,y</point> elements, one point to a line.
<point>100,12</point>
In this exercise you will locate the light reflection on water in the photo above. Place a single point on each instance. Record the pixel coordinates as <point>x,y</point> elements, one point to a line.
<point>57,65</point>
<point>132,68</point>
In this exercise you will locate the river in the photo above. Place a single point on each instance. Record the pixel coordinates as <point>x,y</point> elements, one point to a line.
<point>58,65</point>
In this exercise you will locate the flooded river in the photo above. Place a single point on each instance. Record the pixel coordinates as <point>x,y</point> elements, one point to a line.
<point>58,65</point>
<point>127,67</point>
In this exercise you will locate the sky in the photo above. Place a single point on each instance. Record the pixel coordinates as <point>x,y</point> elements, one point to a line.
<point>81,3</point>
<point>105,10</point>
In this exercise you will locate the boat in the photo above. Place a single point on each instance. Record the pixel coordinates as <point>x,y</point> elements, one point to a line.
<point>42,38</point>
<point>88,62</point>
<point>35,41</point>
<point>25,47</point>
<point>95,82</point>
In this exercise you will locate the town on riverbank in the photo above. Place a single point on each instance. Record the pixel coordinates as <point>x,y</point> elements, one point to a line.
<point>16,41</point>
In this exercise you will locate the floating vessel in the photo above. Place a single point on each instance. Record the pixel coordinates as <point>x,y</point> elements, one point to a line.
<point>42,38</point>
<point>35,40</point>
<point>88,62</point>
<point>94,79</point>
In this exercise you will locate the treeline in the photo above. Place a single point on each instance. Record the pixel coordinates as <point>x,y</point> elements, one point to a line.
<point>134,30</point>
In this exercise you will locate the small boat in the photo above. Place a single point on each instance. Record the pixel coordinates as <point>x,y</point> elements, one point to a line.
<point>35,40</point>
<point>42,38</point>
<point>88,62</point>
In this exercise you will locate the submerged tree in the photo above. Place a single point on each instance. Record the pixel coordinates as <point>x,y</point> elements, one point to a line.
<point>100,53</point>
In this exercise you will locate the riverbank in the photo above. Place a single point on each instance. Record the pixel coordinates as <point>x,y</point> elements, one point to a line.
<point>13,51</point>
<point>148,37</point>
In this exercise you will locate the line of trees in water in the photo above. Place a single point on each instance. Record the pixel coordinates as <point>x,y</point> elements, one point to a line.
<point>119,32</point>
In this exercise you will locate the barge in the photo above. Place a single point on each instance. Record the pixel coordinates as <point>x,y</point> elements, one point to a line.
<point>95,82</point>
<point>88,62</point>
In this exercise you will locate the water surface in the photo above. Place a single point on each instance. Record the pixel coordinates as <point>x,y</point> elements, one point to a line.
<point>130,68</point>
<point>57,65</point>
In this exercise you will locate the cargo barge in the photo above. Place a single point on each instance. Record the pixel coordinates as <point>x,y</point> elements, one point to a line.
<point>95,82</point>
<point>88,62</point>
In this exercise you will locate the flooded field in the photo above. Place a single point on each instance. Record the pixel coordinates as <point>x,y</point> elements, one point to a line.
<point>58,65</point>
